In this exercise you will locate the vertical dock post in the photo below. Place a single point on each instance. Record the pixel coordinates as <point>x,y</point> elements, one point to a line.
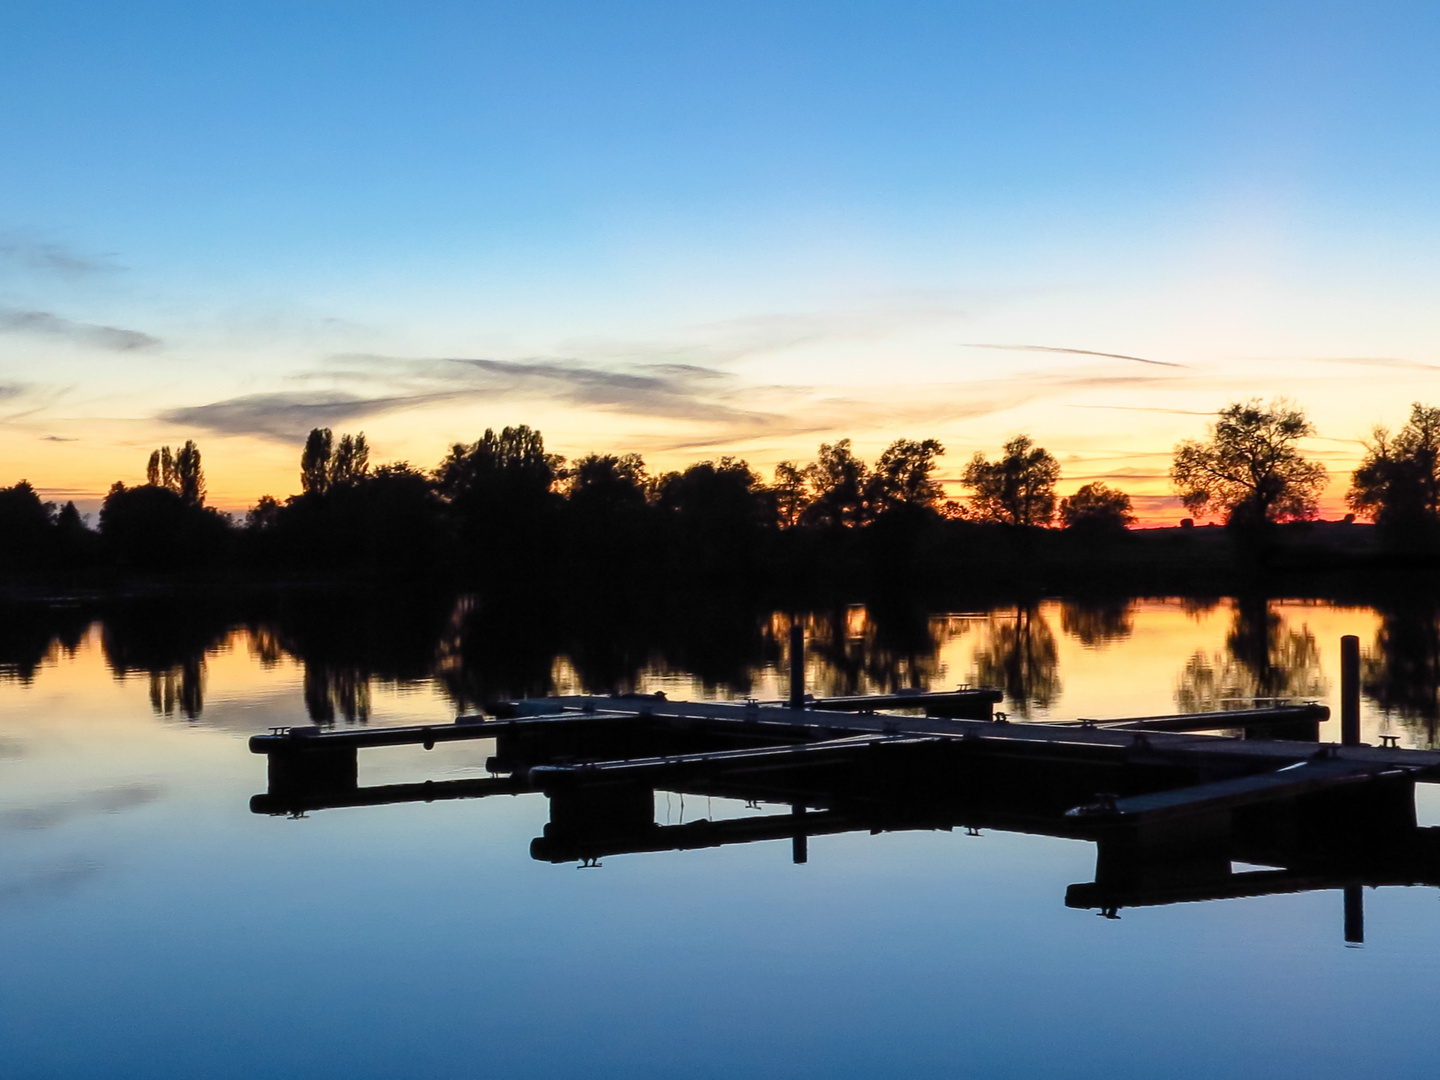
<point>1349,690</point>
<point>797,664</point>
<point>1355,914</point>
<point>799,846</point>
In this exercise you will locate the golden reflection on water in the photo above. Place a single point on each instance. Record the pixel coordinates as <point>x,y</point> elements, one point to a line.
<point>1054,659</point>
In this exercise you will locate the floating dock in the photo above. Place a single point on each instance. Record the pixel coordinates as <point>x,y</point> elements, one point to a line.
<point>1171,801</point>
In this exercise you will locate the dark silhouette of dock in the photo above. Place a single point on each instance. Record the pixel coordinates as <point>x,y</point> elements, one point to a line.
<point>1171,802</point>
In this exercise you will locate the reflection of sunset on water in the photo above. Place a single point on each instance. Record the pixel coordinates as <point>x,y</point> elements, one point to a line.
<point>1055,659</point>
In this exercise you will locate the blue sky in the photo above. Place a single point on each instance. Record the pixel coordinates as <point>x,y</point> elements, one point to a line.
<point>693,228</point>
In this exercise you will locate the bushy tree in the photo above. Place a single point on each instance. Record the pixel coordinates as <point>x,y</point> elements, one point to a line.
<point>1398,481</point>
<point>1019,488</point>
<point>791,493</point>
<point>26,527</point>
<point>716,516</point>
<point>904,476</point>
<point>1250,469</point>
<point>837,481</point>
<point>155,528</point>
<point>1098,507</point>
<point>500,496</point>
<point>604,485</point>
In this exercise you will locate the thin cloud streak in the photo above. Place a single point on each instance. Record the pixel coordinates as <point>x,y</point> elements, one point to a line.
<point>51,258</point>
<point>1378,361</point>
<point>287,415</point>
<point>1077,352</point>
<point>1145,408</point>
<point>666,391</point>
<point>114,338</point>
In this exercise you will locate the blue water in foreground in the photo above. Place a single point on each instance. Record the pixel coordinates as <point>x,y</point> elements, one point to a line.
<point>151,926</point>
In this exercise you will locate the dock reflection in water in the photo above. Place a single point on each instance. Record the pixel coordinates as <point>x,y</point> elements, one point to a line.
<point>143,906</point>
<point>1170,813</point>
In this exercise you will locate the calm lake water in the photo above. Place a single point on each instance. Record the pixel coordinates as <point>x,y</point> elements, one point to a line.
<point>152,926</point>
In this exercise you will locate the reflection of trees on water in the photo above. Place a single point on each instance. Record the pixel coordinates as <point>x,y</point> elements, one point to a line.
<point>1097,622</point>
<point>483,650</point>
<point>331,691</point>
<point>855,650</point>
<point>31,635</point>
<point>1265,660</point>
<point>181,688</point>
<point>166,640</point>
<point>1020,657</point>
<point>1401,672</point>
<point>490,651</point>
<point>348,642</point>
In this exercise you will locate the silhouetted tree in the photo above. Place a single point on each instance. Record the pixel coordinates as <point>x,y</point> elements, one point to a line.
<point>1019,489</point>
<point>1250,468</point>
<point>263,515</point>
<point>500,496</point>
<point>26,527</point>
<point>156,528</point>
<point>382,522</point>
<point>75,545</point>
<point>790,493</point>
<point>904,475</point>
<point>1097,507</point>
<point>1398,481</point>
<point>716,517</point>
<point>837,481</point>
<point>608,516</point>
<point>350,460</point>
<point>315,462</point>
<point>180,472</point>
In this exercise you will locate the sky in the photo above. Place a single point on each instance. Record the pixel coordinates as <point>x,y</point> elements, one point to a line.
<point>693,229</point>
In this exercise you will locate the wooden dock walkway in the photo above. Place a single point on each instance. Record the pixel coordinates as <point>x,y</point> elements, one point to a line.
<point>1169,800</point>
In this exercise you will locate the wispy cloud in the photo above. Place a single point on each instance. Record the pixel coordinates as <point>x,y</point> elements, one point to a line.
<point>1077,352</point>
<point>1378,361</point>
<point>670,391</point>
<point>47,257</point>
<point>58,438</point>
<point>17,321</point>
<point>287,415</point>
<point>1146,408</point>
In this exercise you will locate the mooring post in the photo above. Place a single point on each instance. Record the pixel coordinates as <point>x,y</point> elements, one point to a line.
<point>797,664</point>
<point>799,848</point>
<point>1354,915</point>
<point>1349,690</point>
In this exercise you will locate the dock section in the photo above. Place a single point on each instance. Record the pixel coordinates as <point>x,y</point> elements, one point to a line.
<point>1170,801</point>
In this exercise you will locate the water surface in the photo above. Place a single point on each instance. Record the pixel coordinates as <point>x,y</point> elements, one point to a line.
<point>153,927</point>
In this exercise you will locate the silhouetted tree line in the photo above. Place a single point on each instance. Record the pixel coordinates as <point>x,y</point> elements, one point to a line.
<point>501,510</point>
